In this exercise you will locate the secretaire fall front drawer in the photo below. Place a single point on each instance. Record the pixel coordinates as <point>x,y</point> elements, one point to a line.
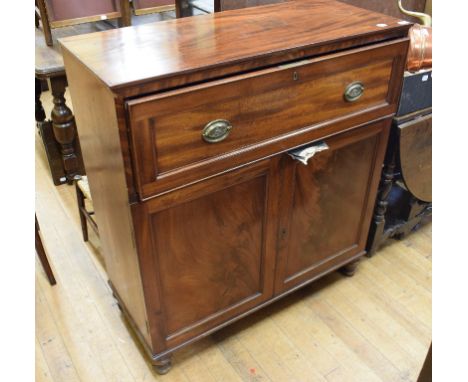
<point>184,135</point>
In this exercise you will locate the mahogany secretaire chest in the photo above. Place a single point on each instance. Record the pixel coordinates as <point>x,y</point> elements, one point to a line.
<point>234,157</point>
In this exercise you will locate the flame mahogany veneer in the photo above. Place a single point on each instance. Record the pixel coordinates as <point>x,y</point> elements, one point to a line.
<point>195,234</point>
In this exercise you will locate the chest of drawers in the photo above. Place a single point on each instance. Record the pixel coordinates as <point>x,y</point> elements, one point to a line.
<point>232,158</point>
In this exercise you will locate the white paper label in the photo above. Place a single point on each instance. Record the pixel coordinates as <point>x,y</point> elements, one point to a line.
<point>425,77</point>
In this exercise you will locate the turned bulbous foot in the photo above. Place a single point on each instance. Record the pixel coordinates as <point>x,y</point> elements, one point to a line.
<point>349,269</point>
<point>163,365</point>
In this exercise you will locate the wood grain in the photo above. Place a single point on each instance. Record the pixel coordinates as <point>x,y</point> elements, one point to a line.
<point>261,107</point>
<point>203,269</point>
<point>106,176</point>
<point>191,239</point>
<point>325,205</point>
<point>152,57</point>
<point>389,8</point>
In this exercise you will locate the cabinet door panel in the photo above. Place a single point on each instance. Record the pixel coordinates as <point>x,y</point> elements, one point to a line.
<point>327,211</point>
<point>209,252</point>
<point>214,248</point>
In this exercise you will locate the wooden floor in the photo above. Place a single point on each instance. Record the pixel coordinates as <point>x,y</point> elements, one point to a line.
<point>375,326</point>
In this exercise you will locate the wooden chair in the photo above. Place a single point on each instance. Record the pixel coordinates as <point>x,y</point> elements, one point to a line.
<point>227,5</point>
<point>42,254</point>
<point>85,204</point>
<point>64,13</point>
<point>187,8</point>
<point>144,7</point>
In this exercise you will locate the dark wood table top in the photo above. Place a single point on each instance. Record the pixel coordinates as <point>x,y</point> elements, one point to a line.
<point>227,42</point>
<point>49,60</point>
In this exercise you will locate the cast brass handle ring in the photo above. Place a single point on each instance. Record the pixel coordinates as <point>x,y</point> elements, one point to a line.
<point>354,91</point>
<point>216,131</point>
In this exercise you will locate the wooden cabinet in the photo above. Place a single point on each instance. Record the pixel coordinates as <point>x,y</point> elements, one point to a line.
<point>326,205</point>
<point>213,246</point>
<point>194,144</point>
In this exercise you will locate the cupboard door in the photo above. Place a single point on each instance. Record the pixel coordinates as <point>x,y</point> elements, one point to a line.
<point>212,246</point>
<point>327,204</point>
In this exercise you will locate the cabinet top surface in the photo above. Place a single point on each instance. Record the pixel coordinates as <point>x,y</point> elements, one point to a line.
<point>225,41</point>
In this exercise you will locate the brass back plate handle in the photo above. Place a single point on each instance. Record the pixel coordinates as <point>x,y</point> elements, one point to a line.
<point>216,131</point>
<point>354,91</point>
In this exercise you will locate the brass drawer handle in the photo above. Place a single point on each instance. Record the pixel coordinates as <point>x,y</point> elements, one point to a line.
<point>303,154</point>
<point>354,91</point>
<point>216,131</point>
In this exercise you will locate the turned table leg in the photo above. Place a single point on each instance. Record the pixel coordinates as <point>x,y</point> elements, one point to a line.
<point>126,12</point>
<point>349,269</point>
<point>45,22</point>
<point>63,123</point>
<point>377,227</point>
<point>184,8</point>
<point>39,110</point>
<point>163,365</point>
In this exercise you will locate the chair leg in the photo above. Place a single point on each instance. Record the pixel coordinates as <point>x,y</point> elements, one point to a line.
<point>43,257</point>
<point>81,205</point>
<point>45,22</point>
<point>125,10</point>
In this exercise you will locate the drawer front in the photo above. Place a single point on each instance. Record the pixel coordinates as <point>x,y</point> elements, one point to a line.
<point>262,113</point>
